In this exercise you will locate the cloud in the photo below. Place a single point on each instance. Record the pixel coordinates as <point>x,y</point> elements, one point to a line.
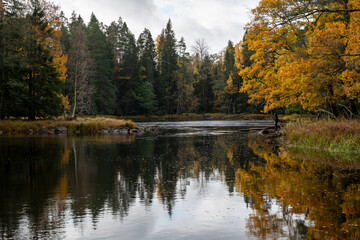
<point>217,21</point>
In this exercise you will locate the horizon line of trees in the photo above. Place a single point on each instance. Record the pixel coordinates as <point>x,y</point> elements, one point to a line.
<point>51,65</point>
<point>295,57</point>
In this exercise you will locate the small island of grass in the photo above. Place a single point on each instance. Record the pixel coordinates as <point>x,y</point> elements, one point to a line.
<point>88,125</point>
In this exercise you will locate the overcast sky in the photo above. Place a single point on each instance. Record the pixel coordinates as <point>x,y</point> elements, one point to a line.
<point>217,21</point>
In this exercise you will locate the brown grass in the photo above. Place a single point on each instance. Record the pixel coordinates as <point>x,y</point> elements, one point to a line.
<point>82,125</point>
<point>343,136</point>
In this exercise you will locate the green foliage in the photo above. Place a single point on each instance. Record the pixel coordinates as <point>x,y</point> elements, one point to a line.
<point>166,87</point>
<point>118,74</point>
<point>294,109</point>
<point>103,99</point>
<point>145,97</point>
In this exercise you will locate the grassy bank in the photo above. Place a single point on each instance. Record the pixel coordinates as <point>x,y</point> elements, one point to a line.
<point>339,137</point>
<point>81,125</point>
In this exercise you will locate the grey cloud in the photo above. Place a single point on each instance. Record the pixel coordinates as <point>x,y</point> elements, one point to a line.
<point>191,19</point>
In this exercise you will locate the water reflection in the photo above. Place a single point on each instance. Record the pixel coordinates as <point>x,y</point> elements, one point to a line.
<point>296,196</point>
<point>221,186</point>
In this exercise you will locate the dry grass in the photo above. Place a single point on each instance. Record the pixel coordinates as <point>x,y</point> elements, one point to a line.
<point>83,125</point>
<point>343,136</point>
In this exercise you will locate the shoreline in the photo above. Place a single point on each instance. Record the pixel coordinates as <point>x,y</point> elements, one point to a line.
<point>104,125</point>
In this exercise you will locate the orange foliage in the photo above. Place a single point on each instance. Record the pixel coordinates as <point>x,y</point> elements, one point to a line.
<point>312,60</point>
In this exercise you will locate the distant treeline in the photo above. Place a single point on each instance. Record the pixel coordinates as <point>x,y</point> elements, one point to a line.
<point>51,65</point>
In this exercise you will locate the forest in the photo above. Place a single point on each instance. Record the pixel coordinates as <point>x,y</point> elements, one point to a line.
<point>52,65</point>
<point>296,56</point>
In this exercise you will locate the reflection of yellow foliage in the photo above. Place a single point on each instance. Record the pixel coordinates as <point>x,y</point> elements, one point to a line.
<point>299,187</point>
<point>65,156</point>
<point>351,205</point>
<point>62,188</point>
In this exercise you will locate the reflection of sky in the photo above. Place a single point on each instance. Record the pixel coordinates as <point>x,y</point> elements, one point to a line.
<point>204,124</point>
<point>206,128</point>
<point>206,212</point>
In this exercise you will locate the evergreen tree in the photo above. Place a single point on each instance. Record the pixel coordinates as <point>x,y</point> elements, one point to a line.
<point>12,87</point>
<point>99,48</point>
<point>147,55</point>
<point>145,97</point>
<point>42,79</point>
<point>184,79</point>
<point>167,88</point>
<point>144,92</point>
<point>129,71</point>
<point>114,38</point>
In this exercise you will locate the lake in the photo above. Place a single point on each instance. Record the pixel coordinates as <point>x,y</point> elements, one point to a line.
<point>195,180</point>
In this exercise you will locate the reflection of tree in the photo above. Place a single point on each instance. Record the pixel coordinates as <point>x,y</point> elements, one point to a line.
<point>310,196</point>
<point>28,183</point>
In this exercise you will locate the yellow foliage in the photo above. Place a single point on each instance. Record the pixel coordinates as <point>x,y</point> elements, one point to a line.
<point>65,104</point>
<point>313,61</point>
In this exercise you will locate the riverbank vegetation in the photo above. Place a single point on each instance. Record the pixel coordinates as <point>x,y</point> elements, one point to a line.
<point>331,136</point>
<point>81,125</point>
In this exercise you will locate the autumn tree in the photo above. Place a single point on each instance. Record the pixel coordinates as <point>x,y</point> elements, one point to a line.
<point>301,54</point>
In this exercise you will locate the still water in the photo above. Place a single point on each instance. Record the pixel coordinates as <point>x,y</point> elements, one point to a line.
<point>196,180</point>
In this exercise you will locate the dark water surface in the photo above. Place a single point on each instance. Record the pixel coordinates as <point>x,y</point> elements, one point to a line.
<point>197,180</point>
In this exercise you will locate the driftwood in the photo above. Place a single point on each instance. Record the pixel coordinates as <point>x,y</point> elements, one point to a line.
<point>347,109</point>
<point>327,112</point>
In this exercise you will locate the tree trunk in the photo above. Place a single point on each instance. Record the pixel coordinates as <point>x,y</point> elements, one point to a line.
<point>75,100</point>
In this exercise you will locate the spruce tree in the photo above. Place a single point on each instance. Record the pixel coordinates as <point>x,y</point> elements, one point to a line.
<point>103,98</point>
<point>144,91</point>
<point>168,64</point>
<point>42,79</point>
<point>12,88</point>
